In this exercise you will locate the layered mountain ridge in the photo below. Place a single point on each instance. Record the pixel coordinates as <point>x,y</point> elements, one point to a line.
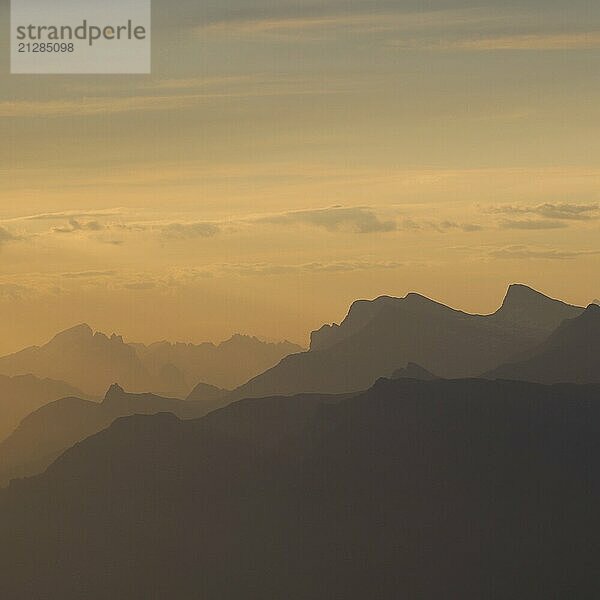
<point>23,394</point>
<point>46,433</point>
<point>91,361</point>
<point>357,496</point>
<point>570,354</point>
<point>378,337</point>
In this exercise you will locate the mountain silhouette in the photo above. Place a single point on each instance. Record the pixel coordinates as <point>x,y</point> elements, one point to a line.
<point>571,354</point>
<point>442,489</point>
<point>377,336</point>
<point>204,392</point>
<point>23,394</point>
<point>48,432</point>
<point>413,371</point>
<point>91,361</point>
<point>226,365</point>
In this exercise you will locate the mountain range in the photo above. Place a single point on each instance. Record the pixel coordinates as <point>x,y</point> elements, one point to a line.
<point>46,433</point>
<point>380,336</point>
<point>463,489</point>
<point>21,395</point>
<point>92,361</point>
<point>571,353</point>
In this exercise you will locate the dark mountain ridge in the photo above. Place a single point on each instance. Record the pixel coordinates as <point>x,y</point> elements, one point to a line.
<point>48,432</point>
<point>377,336</point>
<point>443,489</point>
<point>23,394</point>
<point>570,354</point>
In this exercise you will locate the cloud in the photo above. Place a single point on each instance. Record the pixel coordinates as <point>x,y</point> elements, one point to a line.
<point>336,218</point>
<point>410,224</point>
<point>174,97</point>
<point>532,224</point>
<point>563,211</point>
<point>250,269</point>
<point>527,253</point>
<point>466,29</point>
<point>449,225</point>
<point>13,291</point>
<point>89,274</point>
<point>60,216</point>
<point>348,20</point>
<point>140,285</point>
<point>75,225</point>
<point>545,41</point>
<point>191,230</point>
<point>6,236</point>
<point>89,107</point>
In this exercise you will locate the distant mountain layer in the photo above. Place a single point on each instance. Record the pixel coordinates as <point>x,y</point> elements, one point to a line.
<point>48,432</point>
<point>378,337</point>
<point>442,489</point>
<point>226,365</point>
<point>413,371</point>
<point>93,361</point>
<point>206,393</point>
<point>572,353</point>
<point>23,394</point>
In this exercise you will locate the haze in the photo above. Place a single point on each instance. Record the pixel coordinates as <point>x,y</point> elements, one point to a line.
<point>283,161</point>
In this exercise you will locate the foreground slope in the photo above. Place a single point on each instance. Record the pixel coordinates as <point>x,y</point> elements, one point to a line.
<point>571,354</point>
<point>21,395</point>
<point>442,489</point>
<point>381,336</point>
<point>48,432</point>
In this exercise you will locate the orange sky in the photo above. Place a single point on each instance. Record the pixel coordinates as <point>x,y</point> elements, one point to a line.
<point>280,163</point>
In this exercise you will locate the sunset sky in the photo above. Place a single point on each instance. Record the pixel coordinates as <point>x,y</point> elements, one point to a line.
<point>286,158</point>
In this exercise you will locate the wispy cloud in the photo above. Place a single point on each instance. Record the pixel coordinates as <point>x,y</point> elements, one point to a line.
<point>6,236</point>
<point>191,230</point>
<point>75,226</point>
<point>410,224</point>
<point>140,285</point>
<point>336,218</point>
<point>528,253</point>
<point>352,21</point>
<point>13,291</point>
<point>60,216</point>
<point>170,95</point>
<point>532,224</point>
<point>565,211</point>
<point>89,274</point>
<point>545,41</point>
<point>89,107</point>
<point>271,269</point>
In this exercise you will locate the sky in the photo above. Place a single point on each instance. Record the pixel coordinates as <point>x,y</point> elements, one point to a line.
<point>284,159</point>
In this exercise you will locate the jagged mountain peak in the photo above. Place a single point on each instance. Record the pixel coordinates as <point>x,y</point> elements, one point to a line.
<point>526,306</point>
<point>590,315</point>
<point>413,371</point>
<point>114,391</point>
<point>81,331</point>
<point>519,293</point>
